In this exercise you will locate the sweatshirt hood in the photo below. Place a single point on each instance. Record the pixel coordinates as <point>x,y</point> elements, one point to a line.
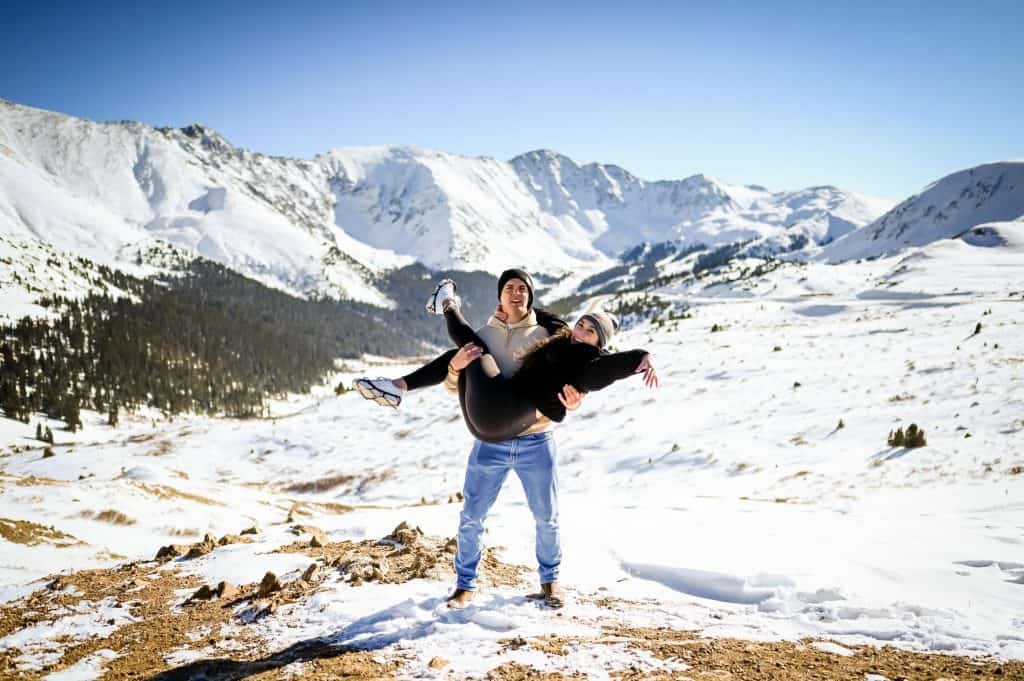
<point>529,320</point>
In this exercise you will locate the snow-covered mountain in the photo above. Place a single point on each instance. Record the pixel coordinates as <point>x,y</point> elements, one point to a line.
<point>450,211</point>
<point>620,211</point>
<point>329,225</point>
<point>106,190</point>
<point>993,192</point>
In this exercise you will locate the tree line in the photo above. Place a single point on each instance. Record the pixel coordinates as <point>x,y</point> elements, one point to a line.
<point>207,340</point>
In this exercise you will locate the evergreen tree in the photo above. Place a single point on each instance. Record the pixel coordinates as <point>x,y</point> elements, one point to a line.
<point>210,341</point>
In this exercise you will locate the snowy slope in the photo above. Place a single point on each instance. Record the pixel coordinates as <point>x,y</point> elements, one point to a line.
<point>620,210</point>
<point>450,211</point>
<point>98,189</point>
<point>31,269</point>
<point>944,209</point>
<point>731,501</point>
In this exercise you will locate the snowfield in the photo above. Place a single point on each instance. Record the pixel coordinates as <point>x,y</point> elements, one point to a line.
<point>751,496</point>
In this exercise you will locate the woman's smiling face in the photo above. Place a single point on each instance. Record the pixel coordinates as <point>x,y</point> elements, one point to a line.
<point>585,332</point>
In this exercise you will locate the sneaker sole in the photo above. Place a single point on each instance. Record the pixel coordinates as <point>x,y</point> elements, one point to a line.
<point>371,392</point>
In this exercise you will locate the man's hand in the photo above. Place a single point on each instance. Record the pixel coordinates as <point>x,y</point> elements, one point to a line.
<point>647,369</point>
<point>570,397</point>
<point>500,315</point>
<point>467,354</point>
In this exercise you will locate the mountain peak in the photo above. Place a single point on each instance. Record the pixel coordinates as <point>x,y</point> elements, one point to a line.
<point>206,136</point>
<point>542,156</point>
<point>991,192</point>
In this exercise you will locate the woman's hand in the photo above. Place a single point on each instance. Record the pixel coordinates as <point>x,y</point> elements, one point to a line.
<point>467,354</point>
<point>500,315</point>
<point>570,397</point>
<point>647,369</point>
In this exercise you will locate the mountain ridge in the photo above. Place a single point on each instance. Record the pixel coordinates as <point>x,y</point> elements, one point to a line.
<point>331,224</point>
<point>944,209</point>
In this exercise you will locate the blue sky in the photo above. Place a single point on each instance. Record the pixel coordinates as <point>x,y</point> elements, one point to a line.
<point>881,100</point>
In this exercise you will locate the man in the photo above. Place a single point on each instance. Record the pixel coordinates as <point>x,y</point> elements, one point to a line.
<point>531,454</point>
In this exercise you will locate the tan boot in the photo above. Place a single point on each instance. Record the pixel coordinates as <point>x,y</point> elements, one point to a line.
<point>460,598</point>
<point>553,596</point>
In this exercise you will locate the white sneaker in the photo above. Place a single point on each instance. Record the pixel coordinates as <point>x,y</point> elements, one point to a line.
<point>383,391</point>
<point>442,297</point>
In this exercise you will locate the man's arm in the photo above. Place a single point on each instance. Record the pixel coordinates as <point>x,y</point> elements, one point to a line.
<point>467,354</point>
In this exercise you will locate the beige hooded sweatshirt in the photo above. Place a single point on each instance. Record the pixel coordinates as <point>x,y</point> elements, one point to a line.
<point>508,343</point>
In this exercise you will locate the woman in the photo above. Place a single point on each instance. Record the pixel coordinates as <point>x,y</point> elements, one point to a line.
<point>389,392</point>
<point>497,408</point>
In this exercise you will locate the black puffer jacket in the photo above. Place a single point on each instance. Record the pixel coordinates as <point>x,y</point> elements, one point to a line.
<point>562,361</point>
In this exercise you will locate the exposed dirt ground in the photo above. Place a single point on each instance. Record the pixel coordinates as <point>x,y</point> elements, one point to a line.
<point>725,659</point>
<point>151,592</point>
<point>418,557</point>
<point>166,621</point>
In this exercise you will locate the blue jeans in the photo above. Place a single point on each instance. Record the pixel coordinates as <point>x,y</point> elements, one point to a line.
<point>532,457</point>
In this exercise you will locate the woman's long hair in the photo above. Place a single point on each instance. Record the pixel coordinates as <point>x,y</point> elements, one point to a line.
<point>531,352</point>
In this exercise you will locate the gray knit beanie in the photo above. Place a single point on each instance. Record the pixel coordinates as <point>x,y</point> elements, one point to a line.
<point>605,323</point>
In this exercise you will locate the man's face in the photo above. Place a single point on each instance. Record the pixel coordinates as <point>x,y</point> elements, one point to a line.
<point>515,299</point>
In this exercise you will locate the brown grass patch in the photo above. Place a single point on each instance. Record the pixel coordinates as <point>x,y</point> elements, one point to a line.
<point>168,492</point>
<point>144,437</point>
<point>32,481</point>
<point>324,484</point>
<point>330,507</point>
<point>108,516</point>
<point>32,534</point>
<point>161,448</point>
<point>350,483</point>
<point>180,532</point>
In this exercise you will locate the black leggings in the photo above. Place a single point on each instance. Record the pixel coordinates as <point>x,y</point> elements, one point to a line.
<point>431,373</point>
<point>492,409</point>
<point>434,371</point>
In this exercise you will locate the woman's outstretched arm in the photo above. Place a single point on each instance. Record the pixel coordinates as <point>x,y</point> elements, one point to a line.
<point>604,370</point>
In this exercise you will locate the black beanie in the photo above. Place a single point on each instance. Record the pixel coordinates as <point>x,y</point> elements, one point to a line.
<point>517,274</point>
